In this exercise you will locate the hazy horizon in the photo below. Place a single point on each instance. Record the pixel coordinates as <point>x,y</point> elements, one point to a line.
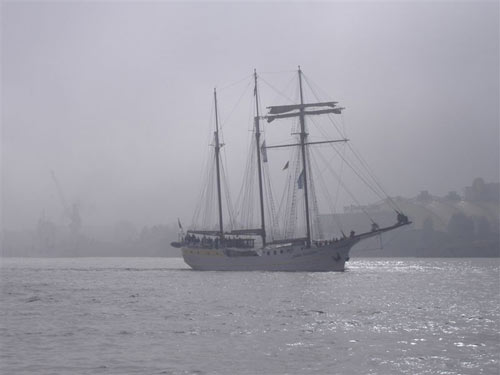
<point>116,98</point>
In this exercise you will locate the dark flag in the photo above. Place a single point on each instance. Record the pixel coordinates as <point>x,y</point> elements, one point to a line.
<point>300,181</point>
<point>286,166</point>
<point>264,152</point>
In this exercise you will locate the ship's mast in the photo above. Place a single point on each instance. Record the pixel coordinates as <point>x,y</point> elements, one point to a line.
<point>259,165</point>
<point>301,111</point>
<point>217,164</point>
<point>303,137</point>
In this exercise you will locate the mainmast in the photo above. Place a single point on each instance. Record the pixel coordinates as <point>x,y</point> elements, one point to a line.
<point>259,165</point>
<point>303,137</point>
<point>301,111</point>
<point>217,164</point>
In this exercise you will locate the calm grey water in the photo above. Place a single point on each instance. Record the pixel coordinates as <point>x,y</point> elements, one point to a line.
<point>154,316</point>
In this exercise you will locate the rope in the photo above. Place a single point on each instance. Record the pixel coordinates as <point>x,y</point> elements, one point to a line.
<point>226,119</point>
<point>278,91</point>
<point>229,85</point>
<point>362,161</point>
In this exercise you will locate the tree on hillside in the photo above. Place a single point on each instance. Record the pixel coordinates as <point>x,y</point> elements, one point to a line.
<point>461,226</point>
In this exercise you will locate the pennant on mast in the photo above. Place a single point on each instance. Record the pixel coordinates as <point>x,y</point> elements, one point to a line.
<point>263,150</point>
<point>300,181</point>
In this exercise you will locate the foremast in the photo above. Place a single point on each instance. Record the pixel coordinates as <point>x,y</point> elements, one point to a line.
<point>217,165</point>
<point>259,162</point>
<point>261,231</point>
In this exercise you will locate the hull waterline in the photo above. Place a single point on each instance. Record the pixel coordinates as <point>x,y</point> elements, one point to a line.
<point>322,257</point>
<point>284,258</point>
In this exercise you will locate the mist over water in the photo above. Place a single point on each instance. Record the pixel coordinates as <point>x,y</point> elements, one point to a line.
<point>106,124</point>
<point>155,316</point>
<point>116,98</point>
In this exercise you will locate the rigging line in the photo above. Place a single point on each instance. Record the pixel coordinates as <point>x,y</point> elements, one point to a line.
<point>342,123</point>
<point>225,177</point>
<point>333,203</point>
<point>287,207</point>
<point>200,201</point>
<point>347,190</point>
<point>323,131</point>
<point>322,182</point>
<point>341,170</point>
<point>251,201</point>
<point>228,197</point>
<point>229,85</point>
<point>380,194</point>
<point>283,195</point>
<point>293,214</point>
<point>338,186</point>
<point>206,197</point>
<point>278,91</point>
<point>279,72</point>
<point>242,194</point>
<point>327,97</point>
<point>249,161</point>
<point>210,199</point>
<point>226,119</point>
<point>281,214</point>
<point>357,173</point>
<point>239,206</point>
<point>286,198</point>
<point>374,179</point>
<point>206,169</point>
<point>228,201</point>
<point>330,116</point>
<point>281,209</point>
<point>358,155</point>
<point>327,194</point>
<point>315,208</point>
<point>271,205</point>
<point>247,199</point>
<point>251,117</point>
<point>368,170</point>
<point>203,202</point>
<point>372,175</point>
<point>310,84</point>
<point>355,170</point>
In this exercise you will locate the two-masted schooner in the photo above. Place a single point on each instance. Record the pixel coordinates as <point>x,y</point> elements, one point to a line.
<point>248,249</point>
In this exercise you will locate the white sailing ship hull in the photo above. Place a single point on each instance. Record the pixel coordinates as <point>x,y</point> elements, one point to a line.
<point>220,250</point>
<point>331,257</point>
<point>322,257</point>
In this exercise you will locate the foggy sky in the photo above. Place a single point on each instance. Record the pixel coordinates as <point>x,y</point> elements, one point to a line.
<point>116,97</point>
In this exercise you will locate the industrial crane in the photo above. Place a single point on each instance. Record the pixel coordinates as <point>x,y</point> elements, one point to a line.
<point>71,213</point>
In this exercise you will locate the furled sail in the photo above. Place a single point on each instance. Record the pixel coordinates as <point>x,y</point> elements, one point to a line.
<point>278,109</point>
<point>337,111</point>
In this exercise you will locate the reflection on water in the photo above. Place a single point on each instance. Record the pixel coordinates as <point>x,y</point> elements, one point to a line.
<point>143,315</point>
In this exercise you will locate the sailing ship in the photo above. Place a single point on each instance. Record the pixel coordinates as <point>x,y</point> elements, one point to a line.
<point>232,248</point>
